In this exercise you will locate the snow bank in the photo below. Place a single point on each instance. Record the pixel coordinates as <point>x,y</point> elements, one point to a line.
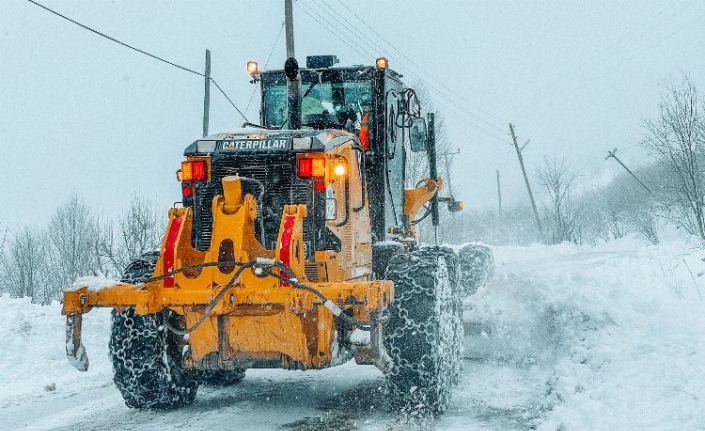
<point>618,329</point>
<point>563,338</point>
<point>32,351</point>
<point>93,283</point>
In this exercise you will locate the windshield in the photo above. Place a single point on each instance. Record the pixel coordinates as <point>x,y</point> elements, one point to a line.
<point>325,101</point>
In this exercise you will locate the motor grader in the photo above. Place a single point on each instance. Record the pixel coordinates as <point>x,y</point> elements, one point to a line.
<point>294,247</point>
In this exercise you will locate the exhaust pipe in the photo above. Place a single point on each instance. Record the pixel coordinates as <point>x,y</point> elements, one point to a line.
<point>293,92</point>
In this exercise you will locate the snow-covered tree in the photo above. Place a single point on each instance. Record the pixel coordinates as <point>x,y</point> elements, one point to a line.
<point>138,230</point>
<point>23,267</point>
<point>72,253</point>
<point>560,214</point>
<point>677,139</point>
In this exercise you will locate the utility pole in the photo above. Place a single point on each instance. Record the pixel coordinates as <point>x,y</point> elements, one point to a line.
<point>526,180</point>
<point>611,154</point>
<point>447,163</point>
<point>499,196</point>
<point>289,20</point>
<point>207,94</point>
<point>291,68</point>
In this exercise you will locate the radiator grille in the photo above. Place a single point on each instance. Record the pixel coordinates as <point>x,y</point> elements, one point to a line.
<point>281,187</point>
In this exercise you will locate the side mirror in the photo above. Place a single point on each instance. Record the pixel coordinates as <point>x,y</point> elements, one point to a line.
<point>417,135</point>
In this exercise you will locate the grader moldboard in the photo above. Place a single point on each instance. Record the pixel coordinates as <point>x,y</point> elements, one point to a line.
<point>295,247</point>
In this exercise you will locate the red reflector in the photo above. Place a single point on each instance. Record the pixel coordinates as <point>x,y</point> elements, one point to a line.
<point>285,246</point>
<point>364,134</point>
<point>319,187</point>
<point>169,251</point>
<point>305,168</point>
<point>186,191</point>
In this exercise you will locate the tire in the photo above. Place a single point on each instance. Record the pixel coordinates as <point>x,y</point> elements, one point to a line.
<point>382,253</point>
<point>476,267</point>
<point>457,344</point>
<point>141,268</point>
<point>221,378</point>
<point>145,354</point>
<point>419,334</point>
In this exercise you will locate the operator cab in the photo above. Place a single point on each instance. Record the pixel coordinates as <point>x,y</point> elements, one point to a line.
<point>365,108</point>
<point>370,101</point>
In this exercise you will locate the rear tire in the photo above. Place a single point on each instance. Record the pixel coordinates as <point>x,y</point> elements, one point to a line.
<point>382,253</point>
<point>146,355</point>
<point>457,343</point>
<point>419,335</point>
<point>476,263</point>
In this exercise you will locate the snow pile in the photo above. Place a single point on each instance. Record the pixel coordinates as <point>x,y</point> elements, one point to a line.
<point>32,351</point>
<point>617,330</point>
<point>93,283</point>
<point>563,338</point>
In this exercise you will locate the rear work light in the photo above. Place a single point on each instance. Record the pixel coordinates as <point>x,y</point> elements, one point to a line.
<point>192,171</point>
<point>312,168</point>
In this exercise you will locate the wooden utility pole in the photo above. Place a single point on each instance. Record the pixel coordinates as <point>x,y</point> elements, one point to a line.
<point>207,94</point>
<point>611,154</point>
<point>291,69</point>
<point>526,181</point>
<point>289,20</point>
<point>499,196</point>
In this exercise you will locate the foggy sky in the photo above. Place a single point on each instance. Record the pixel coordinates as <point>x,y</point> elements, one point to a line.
<point>83,115</point>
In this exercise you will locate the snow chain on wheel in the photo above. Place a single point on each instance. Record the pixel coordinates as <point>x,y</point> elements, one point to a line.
<point>451,259</point>
<point>145,354</point>
<point>421,333</point>
<point>476,263</point>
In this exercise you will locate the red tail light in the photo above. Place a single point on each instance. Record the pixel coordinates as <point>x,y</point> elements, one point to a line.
<point>305,168</point>
<point>312,168</point>
<point>193,171</point>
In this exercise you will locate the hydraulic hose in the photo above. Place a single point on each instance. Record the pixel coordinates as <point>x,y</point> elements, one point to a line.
<point>262,268</point>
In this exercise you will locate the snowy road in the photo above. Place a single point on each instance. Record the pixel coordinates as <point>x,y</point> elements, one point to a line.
<point>563,338</point>
<point>332,399</point>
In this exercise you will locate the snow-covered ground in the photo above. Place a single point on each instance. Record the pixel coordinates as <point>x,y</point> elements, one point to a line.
<point>563,338</point>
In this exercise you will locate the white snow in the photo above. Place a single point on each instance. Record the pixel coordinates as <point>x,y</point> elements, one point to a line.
<point>93,283</point>
<point>564,338</point>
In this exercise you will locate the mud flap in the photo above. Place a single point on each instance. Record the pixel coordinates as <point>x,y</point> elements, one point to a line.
<point>75,352</point>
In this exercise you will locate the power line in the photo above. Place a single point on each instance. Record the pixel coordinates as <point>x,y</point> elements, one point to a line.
<point>625,36</point>
<point>362,51</point>
<point>266,64</point>
<point>432,77</point>
<point>115,40</point>
<point>343,21</point>
<point>658,42</point>
<point>443,90</point>
<point>112,39</point>
<point>357,48</point>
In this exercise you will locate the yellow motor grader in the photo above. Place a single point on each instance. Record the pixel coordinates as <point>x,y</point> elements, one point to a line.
<point>294,247</point>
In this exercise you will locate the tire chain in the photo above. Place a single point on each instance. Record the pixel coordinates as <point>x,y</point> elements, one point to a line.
<point>476,263</point>
<point>458,340</point>
<point>142,351</point>
<point>424,332</point>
